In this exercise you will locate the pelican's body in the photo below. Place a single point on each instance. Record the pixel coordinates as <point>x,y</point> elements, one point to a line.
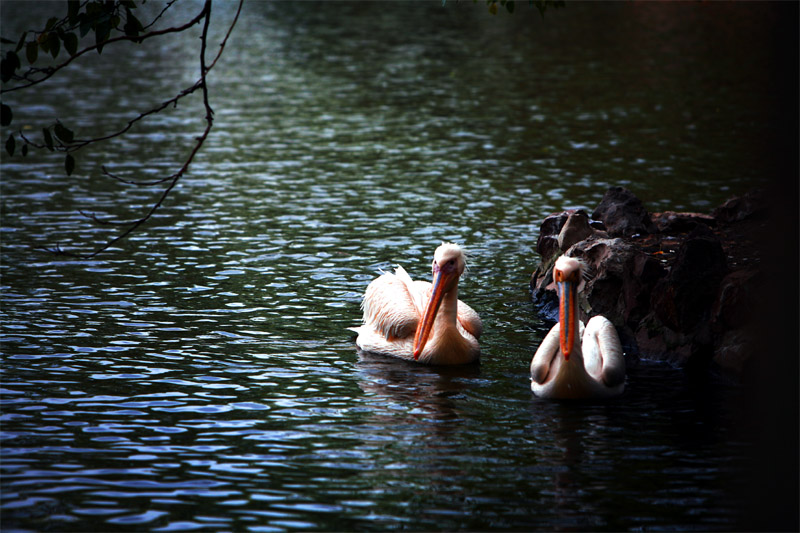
<point>576,361</point>
<point>420,321</point>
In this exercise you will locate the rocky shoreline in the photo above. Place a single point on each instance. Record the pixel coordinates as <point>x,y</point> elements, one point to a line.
<point>679,287</point>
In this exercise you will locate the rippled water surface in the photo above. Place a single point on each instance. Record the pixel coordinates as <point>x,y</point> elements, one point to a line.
<point>200,375</point>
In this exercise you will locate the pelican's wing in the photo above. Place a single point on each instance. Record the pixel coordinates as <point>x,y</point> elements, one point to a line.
<point>389,306</point>
<point>469,320</point>
<point>419,291</point>
<point>602,352</point>
<point>543,358</point>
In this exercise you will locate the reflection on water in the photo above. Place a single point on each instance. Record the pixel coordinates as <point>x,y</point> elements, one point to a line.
<point>204,378</point>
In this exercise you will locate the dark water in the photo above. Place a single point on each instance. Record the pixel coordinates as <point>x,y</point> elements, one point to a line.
<point>200,377</point>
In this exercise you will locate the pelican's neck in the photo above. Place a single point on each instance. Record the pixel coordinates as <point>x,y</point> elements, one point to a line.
<point>448,345</point>
<point>448,311</point>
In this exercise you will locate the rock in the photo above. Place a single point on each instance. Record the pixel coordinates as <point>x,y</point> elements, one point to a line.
<point>547,243</point>
<point>733,319</point>
<point>679,287</point>
<point>741,207</point>
<point>684,298</point>
<point>672,222</point>
<point>739,299</point>
<point>623,214</point>
<point>575,229</point>
<point>619,284</point>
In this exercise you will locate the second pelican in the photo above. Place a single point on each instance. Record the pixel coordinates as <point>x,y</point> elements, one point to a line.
<point>420,321</point>
<point>574,361</point>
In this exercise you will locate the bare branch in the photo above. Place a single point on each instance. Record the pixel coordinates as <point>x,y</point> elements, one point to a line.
<point>225,40</point>
<point>78,144</point>
<point>174,178</point>
<point>170,181</point>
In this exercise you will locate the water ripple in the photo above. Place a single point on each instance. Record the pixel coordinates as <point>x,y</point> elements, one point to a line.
<point>204,378</point>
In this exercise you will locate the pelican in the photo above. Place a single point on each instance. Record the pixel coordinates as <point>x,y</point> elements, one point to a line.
<point>420,321</point>
<point>577,362</point>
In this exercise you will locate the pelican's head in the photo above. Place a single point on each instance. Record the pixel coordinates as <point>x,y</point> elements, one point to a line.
<point>450,258</point>
<point>567,275</point>
<point>567,269</point>
<point>449,263</point>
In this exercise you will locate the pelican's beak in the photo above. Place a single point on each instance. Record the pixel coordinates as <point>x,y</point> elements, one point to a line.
<point>567,315</point>
<point>440,281</point>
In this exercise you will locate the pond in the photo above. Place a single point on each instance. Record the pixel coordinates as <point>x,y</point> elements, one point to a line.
<point>200,375</point>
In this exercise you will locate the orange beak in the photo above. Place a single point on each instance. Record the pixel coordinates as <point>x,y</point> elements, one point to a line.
<point>567,316</point>
<point>440,281</point>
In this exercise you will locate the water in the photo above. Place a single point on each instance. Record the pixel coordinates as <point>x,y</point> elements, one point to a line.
<point>200,375</point>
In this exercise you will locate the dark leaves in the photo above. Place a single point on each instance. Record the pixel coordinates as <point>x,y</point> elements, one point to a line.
<point>63,133</point>
<point>542,5</point>
<point>43,41</point>
<point>9,66</point>
<point>21,41</point>
<point>10,144</point>
<point>71,43</point>
<point>132,25</point>
<point>101,33</point>
<point>32,52</point>
<point>86,24</point>
<point>48,139</point>
<point>53,43</point>
<point>69,164</point>
<point>73,7</point>
<point>5,115</point>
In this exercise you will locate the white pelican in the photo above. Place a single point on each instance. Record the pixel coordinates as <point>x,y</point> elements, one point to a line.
<point>398,321</point>
<point>577,362</point>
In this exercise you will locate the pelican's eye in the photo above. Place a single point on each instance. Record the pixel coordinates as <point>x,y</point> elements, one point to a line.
<point>449,266</point>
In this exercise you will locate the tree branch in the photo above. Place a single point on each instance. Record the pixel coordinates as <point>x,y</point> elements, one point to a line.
<point>173,179</point>
<point>49,71</point>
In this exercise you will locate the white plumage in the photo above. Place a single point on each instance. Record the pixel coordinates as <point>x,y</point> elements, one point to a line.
<point>417,320</point>
<point>576,361</point>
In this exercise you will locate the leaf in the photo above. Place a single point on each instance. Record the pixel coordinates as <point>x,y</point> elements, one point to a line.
<point>21,41</point>
<point>54,44</point>
<point>85,24</point>
<point>73,7</point>
<point>71,43</point>
<point>64,133</point>
<point>493,8</point>
<point>132,25</point>
<point>101,33</point>
<point>24,150</point>
<point>10,143</point>
<point>51,22</point>
<point>69,164</point>
<point>5,115</point>
<point>9,66</point>
<point>48,139</point>
<point>43,41</point>
<point>510,6</point>
<point>32,52</point>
